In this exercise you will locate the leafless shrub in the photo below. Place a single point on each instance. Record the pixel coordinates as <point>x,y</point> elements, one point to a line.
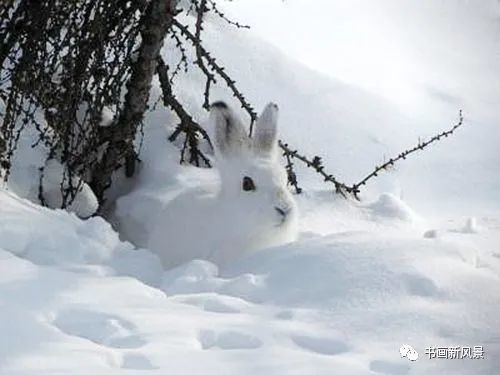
<point>62,63</point>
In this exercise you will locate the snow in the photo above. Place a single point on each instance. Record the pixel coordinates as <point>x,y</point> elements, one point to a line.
<point>107,117</point>
<point>390,206</point>
<point>75,299</point>
<point>26,173</point>
<point>85,203</point>
<point>470,225</point>
<point>415,264</point>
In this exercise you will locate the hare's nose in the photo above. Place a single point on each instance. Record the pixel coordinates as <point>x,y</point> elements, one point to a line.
<point>280,211</point>
<point>283,212</point>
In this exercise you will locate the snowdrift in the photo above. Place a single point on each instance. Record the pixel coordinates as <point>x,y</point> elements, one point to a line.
<point>75,299</point>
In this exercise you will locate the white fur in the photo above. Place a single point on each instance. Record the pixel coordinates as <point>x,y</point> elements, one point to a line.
<point>222,225</point>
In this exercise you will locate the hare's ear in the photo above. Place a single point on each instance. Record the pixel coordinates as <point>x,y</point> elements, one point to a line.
<point>231,138</point>
<point>266,131</point>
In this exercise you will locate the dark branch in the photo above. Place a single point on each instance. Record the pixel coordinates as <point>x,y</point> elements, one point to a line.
<point>223,16</point>
<point>187,124</point>
<point>316,164</point>
<point>355,189</point>
<point>201,9</point>
<point>219,70</point>
<point>158,20</point>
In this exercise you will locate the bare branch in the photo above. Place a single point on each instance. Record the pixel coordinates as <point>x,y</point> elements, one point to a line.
<point>223,16</point>
<point>355,189</point>
<point>219,70</point>
<point>187,124</point>
<point>210,78</point>
<point>158,20</point>
<point>316,164</point>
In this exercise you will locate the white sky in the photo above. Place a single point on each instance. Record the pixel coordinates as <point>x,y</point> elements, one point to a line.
<point>414,52</point>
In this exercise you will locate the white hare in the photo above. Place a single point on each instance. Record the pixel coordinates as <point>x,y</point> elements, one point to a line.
<point>252,209</point>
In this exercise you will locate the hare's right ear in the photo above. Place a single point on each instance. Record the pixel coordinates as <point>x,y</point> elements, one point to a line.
<point>231,139</point>
<point>266,132</point>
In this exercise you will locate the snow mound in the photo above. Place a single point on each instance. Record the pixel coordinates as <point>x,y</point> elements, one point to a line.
<point>346,301</point>
<point>26,174</point>
<point>327,271</point>
<point>432,233</point>
<point>56,238</point>
<point>390,206</point>
<point>471,226</point>
<point>84,204</point>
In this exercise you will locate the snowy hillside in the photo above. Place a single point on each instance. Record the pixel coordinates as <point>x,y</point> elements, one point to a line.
<point>354,130</point>
<point>416,262</point>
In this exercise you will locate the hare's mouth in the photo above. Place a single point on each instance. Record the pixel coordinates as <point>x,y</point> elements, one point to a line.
<point>283,213</point>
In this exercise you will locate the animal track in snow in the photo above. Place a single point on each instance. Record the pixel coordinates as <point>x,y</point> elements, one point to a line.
<point>228,340</point>
<point>321,345</point>
<point>419,285</point>
<point>100,328</point>
<point>389,368</point>
<point>285,315</point>
<point>136,361</point>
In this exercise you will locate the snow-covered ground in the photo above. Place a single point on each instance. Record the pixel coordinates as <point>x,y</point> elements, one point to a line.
<point>417,262</point>
<point>74,299</point>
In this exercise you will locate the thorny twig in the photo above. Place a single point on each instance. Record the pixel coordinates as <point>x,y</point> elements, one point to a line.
<point>316,164</point>
<point>219,70</point>
<point>187,124</point>
<point>354,190</point>
<point>65,47</point>
<point>182,64</point>
<point>210,78</point>
<point>223,16</point>
<point>291,175</point>
<point>402,156</point>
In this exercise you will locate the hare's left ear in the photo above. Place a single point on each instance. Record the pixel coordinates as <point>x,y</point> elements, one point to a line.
<point>266,132</point>
<point>231,139</point>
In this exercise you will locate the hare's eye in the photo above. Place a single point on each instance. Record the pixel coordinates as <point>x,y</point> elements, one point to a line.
<point>248,184</point>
